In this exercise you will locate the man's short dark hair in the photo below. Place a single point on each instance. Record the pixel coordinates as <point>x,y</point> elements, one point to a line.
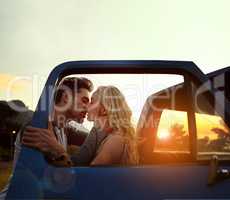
<point>74,84</point>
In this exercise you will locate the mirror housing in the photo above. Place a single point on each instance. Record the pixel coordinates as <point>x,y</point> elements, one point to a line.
<point>227,96</point>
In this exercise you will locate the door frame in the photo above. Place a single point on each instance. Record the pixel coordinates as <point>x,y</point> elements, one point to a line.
<point>32,162</point>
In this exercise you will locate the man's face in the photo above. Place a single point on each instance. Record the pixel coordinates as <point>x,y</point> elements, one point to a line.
<point>78,109</point>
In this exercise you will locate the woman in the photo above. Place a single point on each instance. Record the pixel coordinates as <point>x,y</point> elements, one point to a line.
<point>112,115</point>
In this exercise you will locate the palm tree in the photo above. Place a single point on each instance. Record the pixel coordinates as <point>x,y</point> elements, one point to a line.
<point>179,137</point>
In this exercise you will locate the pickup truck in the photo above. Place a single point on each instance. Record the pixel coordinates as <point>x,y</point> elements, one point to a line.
<point>191,166</point>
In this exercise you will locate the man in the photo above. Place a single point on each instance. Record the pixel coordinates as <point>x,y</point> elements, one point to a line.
<point>71,102</point>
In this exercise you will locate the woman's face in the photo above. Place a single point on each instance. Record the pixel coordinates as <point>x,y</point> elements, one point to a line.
<point>95,108</point>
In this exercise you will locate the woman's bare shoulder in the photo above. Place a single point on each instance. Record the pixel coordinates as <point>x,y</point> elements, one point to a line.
<point>116,137</point>
<point>114,141</point>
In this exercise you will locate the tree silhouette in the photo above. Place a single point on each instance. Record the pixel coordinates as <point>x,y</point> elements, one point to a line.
<point>11,121</point>
<point>203,144</point>
<point>220,144</point>
<point>177,141</point>
<point>177,131</point>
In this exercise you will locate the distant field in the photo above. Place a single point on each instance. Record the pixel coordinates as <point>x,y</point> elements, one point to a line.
<point>5,171</point>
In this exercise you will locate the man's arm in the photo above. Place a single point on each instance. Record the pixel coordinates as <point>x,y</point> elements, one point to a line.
<point>45,141</point>
<point>41,139</point>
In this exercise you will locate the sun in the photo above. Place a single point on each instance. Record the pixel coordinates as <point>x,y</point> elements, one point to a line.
<point>163,134</point>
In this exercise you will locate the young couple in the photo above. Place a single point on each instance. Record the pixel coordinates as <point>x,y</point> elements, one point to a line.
<point>110,142</point>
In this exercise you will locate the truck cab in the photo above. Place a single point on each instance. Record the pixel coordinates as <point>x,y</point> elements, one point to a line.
<point>183,127</point>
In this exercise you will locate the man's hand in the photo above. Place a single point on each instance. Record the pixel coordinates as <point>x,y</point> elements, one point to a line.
<point>42,139</point>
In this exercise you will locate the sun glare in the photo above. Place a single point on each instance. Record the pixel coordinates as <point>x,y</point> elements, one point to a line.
<point>163,134</point>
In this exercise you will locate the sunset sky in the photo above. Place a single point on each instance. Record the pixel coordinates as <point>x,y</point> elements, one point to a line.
<point>36,36</point>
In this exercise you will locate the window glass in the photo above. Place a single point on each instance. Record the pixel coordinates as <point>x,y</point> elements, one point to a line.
<point>165,122</point>
<point>212,133</point>
<point>172,133</point>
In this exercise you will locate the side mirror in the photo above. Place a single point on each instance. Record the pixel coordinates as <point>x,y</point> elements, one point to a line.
<point>227,85</point>
<point>227,96</point>
<point>212,176</point>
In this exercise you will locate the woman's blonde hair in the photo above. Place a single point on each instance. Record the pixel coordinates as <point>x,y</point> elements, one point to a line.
<point>119,116</point>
